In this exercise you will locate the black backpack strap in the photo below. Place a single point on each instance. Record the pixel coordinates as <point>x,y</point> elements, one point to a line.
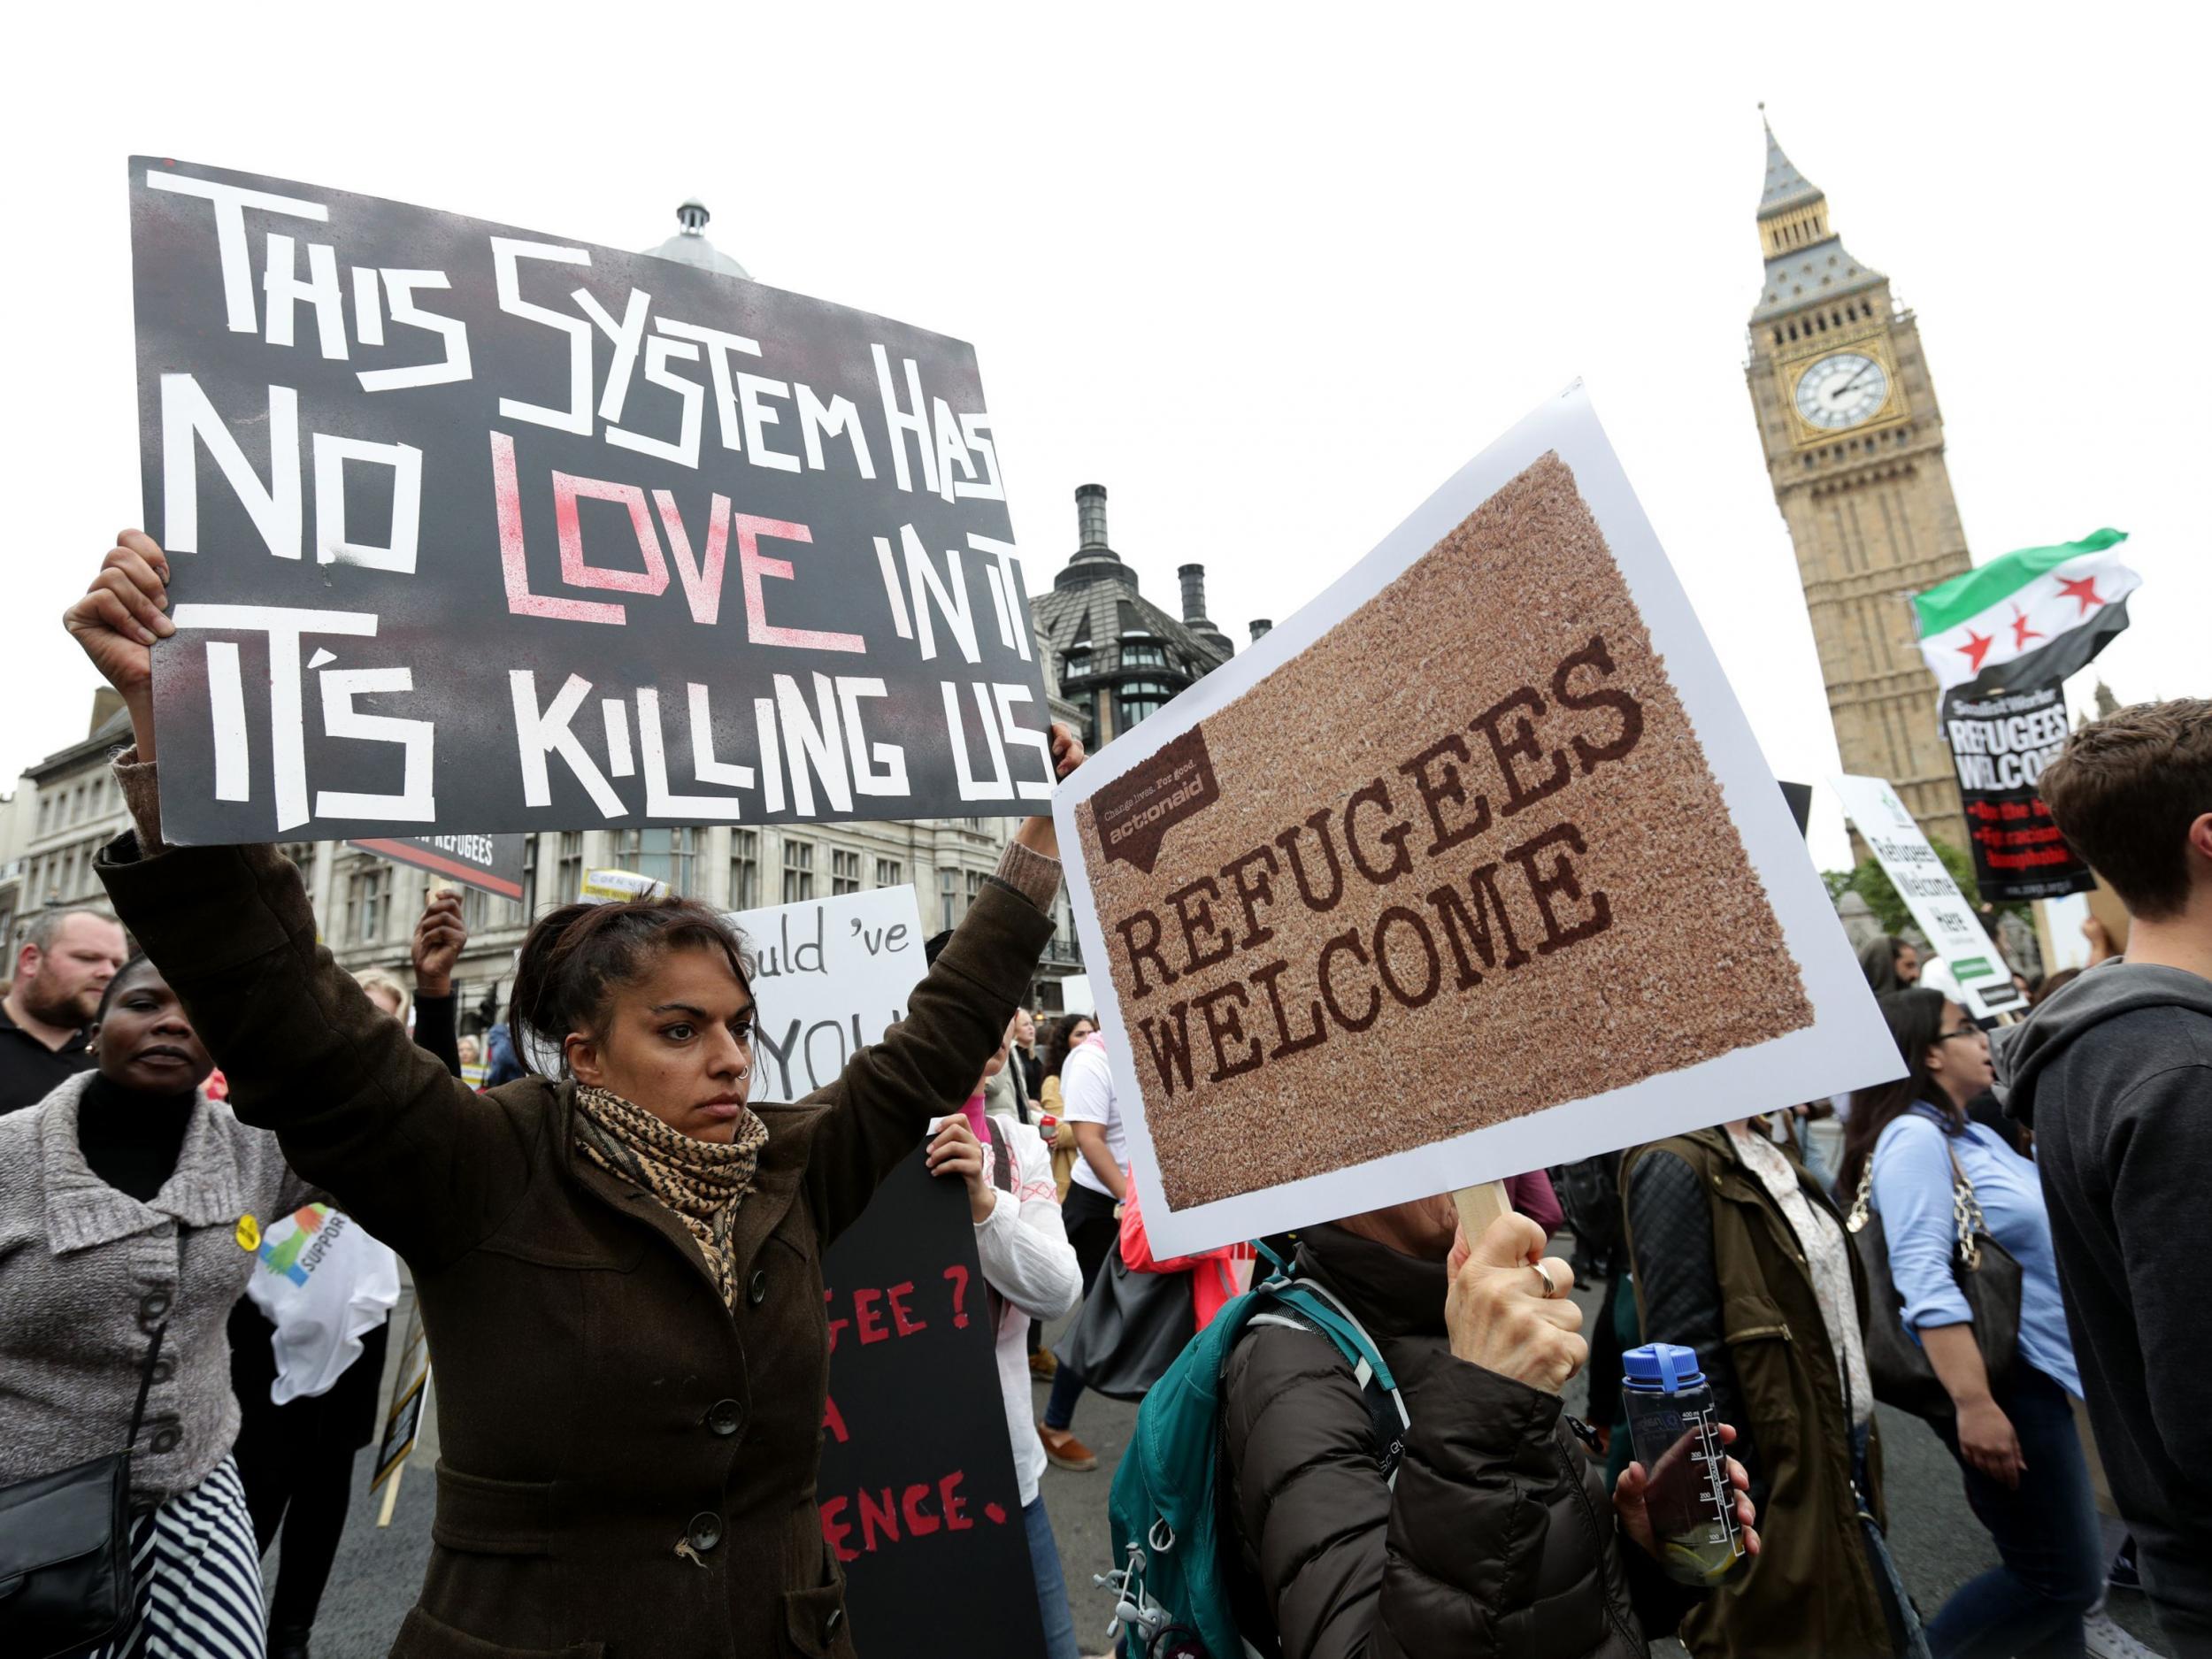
<point>1002,1156</point>
<point>145,1383</point>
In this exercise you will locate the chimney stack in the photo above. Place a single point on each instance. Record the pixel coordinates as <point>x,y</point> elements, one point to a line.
<point>1090,517</point>
<point>1260,627</point>
<point>1194,579</point>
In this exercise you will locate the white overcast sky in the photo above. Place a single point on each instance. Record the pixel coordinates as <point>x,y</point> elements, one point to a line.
<point>1269,273</point>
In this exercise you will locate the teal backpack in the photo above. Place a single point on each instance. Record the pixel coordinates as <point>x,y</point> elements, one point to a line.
<point>1172,1590</point>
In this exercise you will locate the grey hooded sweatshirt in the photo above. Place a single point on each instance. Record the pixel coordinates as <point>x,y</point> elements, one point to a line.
<point>2114,1073</point>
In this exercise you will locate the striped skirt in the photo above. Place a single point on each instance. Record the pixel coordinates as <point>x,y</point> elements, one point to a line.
<point>197,1576</point>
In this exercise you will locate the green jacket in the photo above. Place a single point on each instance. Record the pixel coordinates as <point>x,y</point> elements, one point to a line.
<point>1719,1267</point>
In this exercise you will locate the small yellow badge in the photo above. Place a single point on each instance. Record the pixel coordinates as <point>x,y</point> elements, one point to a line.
<point>248,1234</point>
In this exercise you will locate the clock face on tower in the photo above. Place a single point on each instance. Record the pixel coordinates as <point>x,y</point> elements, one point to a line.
<point>1844,389</point>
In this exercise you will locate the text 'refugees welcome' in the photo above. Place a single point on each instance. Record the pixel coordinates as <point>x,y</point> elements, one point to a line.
<point>1475,887</point>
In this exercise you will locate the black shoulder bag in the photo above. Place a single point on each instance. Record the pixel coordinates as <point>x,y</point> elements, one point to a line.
<point>1987,1277</point>
<point>65,1550</point>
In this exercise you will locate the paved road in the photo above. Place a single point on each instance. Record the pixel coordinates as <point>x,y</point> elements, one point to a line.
<point>1938,1542</point>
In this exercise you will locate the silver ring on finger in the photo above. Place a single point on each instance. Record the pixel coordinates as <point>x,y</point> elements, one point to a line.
<point>1543,1275</point>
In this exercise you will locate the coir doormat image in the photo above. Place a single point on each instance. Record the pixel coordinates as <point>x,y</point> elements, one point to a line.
<point>1460,860</point>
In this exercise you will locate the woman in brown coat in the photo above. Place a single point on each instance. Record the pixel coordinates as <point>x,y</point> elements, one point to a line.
<point>621,1272</point>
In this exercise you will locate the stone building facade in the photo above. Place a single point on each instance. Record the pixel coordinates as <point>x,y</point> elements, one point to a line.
<point>1853,434</point>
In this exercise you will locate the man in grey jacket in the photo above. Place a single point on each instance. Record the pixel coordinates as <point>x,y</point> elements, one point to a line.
<point>2114,1073</point>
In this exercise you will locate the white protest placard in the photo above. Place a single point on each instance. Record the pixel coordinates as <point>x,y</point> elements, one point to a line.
<point>829,976</point>
<point>1471,867</point>
<point>1955,932</point>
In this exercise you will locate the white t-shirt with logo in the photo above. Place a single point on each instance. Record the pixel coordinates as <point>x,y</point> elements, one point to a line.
<point>1086,1096</point>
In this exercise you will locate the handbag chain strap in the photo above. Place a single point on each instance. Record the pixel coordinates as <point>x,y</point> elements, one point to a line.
<point>145,1383</point>
<point>1966,1216</point>
<point>1966,1212</point>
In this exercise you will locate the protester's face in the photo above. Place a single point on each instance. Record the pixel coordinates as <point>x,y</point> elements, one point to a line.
<point>62,985</point>
<point>146,1044</point>
<point>385,998</point>
<point>470,1051</point>
<point>1424,1228</point>
<point>678,1041</point>
<point>1025,1027</point>
<point>1959,1057</point>
<point>1908,965</point>
<point>1083,1028</point>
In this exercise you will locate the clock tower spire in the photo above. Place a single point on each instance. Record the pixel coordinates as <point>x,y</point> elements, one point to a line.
<point>1847,417</point>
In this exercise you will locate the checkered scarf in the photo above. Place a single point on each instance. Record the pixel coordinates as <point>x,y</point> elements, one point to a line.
<point>702,1182</point>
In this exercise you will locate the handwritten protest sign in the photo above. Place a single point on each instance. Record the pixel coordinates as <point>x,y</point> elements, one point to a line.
<point>491,863</point>
<point>1471,867</point>
<point>474,530</point>
<point>917,1489</point>
<point>1973,965</point>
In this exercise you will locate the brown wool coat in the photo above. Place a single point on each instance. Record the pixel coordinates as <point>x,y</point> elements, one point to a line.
<point>628,1467</point>
<point>1719,1267</point>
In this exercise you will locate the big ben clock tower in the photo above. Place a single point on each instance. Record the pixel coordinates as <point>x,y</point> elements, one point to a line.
<point>1853,441</point>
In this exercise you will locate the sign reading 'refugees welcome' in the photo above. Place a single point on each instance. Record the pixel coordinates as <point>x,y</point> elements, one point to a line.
<point>1471,867</point>
<point>472,530</point>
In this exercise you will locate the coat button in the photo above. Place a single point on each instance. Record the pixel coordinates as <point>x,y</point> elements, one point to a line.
<point>153,1305</point>
<point>706,1531</point>
<point>163,1371</point>
<point>724,1416</point>
<point>166,1440</point>
<point>756,1288</point>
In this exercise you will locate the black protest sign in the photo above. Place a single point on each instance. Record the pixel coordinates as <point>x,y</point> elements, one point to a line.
<point>2001,742</point>
<point>917,1491</point>
<point>472,529</point>
<point>492,863</point>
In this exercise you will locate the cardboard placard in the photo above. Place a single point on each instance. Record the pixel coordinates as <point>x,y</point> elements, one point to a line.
<point>410,1391</point>
<point>2000,744</point>
<point>830,976</point>
<point>917,1489</point>
<point>493,863</point>
<point>1973,964</point>
<point>472,529</point>
<point>1471,867</point>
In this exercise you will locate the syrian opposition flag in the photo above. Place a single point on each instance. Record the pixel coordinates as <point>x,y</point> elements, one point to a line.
<point>2039,614</point>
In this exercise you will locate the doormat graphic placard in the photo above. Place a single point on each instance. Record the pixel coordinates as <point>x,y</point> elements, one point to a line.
<point>1444,885</point>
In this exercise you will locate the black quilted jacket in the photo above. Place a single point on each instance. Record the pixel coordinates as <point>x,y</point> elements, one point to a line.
<point>1499,1538</point>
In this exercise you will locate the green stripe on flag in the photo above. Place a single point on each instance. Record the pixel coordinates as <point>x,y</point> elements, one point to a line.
<point>1945,606</point>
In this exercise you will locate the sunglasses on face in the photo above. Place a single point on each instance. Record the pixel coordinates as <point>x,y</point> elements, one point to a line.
<point>1963,1031</point>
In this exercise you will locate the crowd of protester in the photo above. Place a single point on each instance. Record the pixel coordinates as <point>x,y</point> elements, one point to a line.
<point>2018,1223</point>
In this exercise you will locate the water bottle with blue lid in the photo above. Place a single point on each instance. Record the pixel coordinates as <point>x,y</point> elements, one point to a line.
<point>1677,1438</point>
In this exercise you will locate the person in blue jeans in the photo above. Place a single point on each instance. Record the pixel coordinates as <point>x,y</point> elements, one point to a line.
<point>2017,1445</point>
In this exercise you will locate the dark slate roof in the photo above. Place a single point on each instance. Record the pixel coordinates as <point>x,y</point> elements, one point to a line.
<point>1102,610</point>
<point>1805,276</point>
<point>1786,186</point>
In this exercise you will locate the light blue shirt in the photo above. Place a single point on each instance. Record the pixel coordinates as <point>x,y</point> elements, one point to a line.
<point>1912,1190</point>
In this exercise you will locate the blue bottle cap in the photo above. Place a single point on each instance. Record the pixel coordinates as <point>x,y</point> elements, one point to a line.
<point>1664,1367</point>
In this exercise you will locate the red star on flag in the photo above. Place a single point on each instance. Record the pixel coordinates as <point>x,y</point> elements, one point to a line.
<point>2084,589</point>
<point>2021,632</point>
<point>1976,647</point>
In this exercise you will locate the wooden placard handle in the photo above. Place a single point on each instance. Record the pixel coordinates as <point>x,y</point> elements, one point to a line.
<point>1480,1206</point>
<point>391,1494</point>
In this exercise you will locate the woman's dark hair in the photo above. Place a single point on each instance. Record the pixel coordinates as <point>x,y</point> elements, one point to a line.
<point>1916,1020</point>
<point>1057,1041</point>
<point>576,956</point>
<point>136,962</point>
<point>2053,982</point>
<point>1878,960</point>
